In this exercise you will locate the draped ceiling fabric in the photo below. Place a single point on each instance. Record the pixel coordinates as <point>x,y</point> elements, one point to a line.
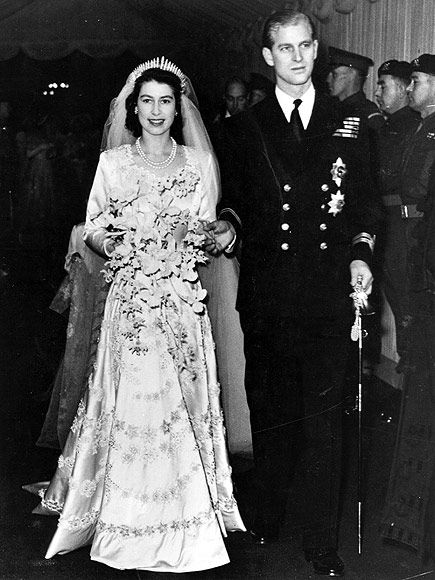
<point>222,36</point>
<point>52,29</point>
<point>210,39</point>
<point>49,30</point>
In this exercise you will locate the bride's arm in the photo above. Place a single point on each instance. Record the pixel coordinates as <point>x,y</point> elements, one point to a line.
<point>95,233</point>
<point>210,190</point>
<point>220,234</point>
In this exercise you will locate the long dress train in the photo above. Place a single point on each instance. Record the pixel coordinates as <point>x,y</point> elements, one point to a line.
<point>82,294</point>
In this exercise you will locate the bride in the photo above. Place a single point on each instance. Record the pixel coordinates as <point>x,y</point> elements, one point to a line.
<point>144,475</point>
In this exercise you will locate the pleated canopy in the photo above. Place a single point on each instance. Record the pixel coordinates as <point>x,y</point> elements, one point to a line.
<point>53,29</point>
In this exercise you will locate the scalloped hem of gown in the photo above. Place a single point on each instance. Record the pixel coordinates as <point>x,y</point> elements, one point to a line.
<point>207,566</point>
<point>178,552</point>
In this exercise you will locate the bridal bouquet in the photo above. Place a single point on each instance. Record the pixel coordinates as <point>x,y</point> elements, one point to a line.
<point>161,244</point>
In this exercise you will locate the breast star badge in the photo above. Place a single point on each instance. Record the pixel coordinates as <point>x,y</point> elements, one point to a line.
<point>336,203</point>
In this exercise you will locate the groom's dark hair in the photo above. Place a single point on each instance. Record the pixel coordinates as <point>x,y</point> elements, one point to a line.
<point>282,18</point>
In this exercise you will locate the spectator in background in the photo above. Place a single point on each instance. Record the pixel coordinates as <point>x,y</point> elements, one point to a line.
<point>235,99</point>
<point>401,122</point>
<point>259,88</point>
<point>409,512</point>
<point>418,159</point>
<point>346,82</point>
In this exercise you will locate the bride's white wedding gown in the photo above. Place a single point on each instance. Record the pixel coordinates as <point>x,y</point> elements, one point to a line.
<point>144,476</point>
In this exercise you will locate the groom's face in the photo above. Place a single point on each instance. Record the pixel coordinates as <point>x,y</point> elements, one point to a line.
<point>292,54</point>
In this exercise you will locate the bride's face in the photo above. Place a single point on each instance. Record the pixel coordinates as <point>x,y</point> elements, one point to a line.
<point>156,107</point>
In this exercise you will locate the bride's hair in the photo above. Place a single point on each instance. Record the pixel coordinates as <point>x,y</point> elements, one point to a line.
<point>162,77</point>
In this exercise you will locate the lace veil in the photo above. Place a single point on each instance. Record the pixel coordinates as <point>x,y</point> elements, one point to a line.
<point>194,132</point>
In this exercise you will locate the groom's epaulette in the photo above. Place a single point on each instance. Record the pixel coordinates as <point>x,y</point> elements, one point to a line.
<point>349,128</point>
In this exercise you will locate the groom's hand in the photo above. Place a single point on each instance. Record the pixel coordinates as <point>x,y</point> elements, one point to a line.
<point>360,270</point>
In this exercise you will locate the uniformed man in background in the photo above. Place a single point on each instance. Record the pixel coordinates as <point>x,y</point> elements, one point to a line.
<point>401,122</point>
<point>348,72</point>
<point>409,512</point>
<point>413,183</point>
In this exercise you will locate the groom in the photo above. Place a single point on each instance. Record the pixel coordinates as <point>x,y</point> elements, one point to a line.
<point>297,195</point>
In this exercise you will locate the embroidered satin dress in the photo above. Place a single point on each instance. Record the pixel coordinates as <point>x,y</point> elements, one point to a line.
<point>144,475</point>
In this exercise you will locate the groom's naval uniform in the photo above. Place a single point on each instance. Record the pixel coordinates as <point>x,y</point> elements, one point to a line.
<point>302,211</point>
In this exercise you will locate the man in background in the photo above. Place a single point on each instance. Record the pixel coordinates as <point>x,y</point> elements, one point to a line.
<point>346,82</point>
<point>409,512</point>
<point>401,122</point>
<point>235,98</point>
<point>259,88</point>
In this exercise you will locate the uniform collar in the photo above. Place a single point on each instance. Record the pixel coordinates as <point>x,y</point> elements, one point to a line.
<point>402,113</point>
<point>358,97</point>
<point>305,108</point>
<point>429,120</point>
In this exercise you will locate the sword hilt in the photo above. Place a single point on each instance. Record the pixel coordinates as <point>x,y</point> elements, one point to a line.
<point>359,297</point>
<point>360,303</point>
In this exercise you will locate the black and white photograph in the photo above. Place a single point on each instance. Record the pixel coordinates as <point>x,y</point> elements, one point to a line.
<point>217,289</point>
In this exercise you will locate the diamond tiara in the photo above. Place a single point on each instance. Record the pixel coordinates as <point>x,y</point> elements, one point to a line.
<point>162,63</point>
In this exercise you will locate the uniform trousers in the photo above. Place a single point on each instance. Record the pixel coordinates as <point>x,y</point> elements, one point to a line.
<point>294,383</point>
<point>398,268</point>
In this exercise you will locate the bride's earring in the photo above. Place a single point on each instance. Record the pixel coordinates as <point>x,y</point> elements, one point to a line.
<point>135,110</point>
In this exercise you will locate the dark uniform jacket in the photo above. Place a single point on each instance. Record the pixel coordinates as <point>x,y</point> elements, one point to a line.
<point>419,186</point>
<point>371,120</point>
<point>298,237</point>
<point>393,138</point>
<point>424,274</point>
<point>367,110</point>
<point>397,245</point>
<point>417,163</point>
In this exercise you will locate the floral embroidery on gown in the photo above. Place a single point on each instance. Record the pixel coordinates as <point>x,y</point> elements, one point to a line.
<point>144,475</point>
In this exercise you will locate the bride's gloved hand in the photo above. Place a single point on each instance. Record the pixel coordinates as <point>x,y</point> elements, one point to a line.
<point>103,242</point>
<point>219,235</point>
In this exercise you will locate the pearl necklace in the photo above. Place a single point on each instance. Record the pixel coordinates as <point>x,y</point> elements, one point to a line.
<point>157,164</point>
